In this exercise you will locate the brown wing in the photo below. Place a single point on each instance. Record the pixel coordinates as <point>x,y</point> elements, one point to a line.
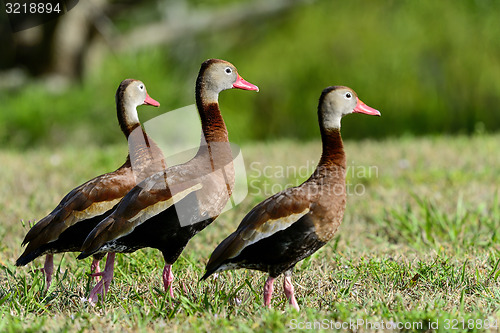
<point>149,198</point>
<point>90,199</point>
<point>275,213</point>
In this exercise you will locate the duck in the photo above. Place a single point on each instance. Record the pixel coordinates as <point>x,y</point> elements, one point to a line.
<point>169,208</point>
<point>66,227</point>
<point>296,222</point>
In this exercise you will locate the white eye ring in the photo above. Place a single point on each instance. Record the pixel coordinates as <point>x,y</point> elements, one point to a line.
<point>141,87</point>
<point>347,95</point>
<point>228,70</point>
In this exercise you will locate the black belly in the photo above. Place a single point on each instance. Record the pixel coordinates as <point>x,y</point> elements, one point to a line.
<point>164,231</point>
<point>70,240</point>
<point>281,251</point>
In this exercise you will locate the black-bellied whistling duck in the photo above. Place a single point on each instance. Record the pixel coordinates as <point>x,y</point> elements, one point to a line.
<point>293,224</point>
<point>166,210</point>
<point>66,227</point>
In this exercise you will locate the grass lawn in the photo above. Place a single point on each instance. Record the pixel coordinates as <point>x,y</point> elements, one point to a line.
<point>419,246</point>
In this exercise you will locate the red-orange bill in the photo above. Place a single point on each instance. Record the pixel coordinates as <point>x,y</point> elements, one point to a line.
<point>363,108</point>
<point>242,84</point>
<point>151,101</point>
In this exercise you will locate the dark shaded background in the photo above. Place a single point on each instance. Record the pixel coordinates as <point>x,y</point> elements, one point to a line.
<point>429,67</point>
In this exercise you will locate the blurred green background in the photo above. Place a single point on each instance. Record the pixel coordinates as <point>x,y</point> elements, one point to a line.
<point>430,67</point>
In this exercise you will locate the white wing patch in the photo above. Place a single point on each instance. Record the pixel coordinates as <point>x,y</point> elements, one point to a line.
<point>269,228</point>
<point>228,266</point>
<point>95,209</point>
<point>160,206</point>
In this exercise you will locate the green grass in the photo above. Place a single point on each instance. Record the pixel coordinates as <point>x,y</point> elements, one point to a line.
<point>419,245</point>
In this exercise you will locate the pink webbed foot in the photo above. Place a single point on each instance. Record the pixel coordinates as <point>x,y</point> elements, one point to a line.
<point>168,278</point>
<point>289,292</point>
<point>102,286</point>
<point>268,291</point>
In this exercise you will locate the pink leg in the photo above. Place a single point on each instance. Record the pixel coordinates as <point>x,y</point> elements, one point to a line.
<point>168,277</point>
<point>289,292</point>
<point>94,267</point>
<point>48,270</point>
<point>268,291</point>
<point>107,275</point>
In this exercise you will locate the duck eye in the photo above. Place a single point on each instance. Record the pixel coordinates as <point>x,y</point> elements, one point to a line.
<point>228,70</point>
<point>348,95</point>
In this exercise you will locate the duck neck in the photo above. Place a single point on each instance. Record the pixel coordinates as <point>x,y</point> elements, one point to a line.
<point>144,154</point>
<point>212,124</point>
<point>333,156</point>
<point>127,117</point>
<point>215,151</point>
